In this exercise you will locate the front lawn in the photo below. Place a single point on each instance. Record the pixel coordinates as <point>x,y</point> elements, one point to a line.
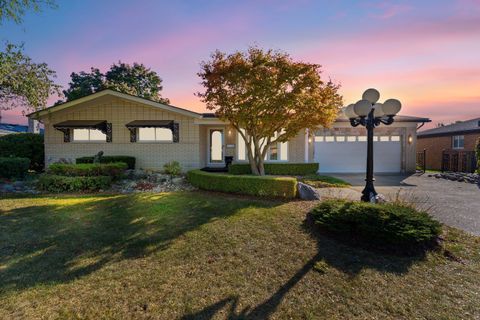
<point>319,181</point>
<point>201,255</point>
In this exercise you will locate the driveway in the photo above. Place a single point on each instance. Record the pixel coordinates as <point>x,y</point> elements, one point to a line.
<point>454,203</point>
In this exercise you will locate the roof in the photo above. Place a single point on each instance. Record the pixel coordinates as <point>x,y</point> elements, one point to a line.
<point>150,124</point>
<point>114,93</point>
<point>13,128</point>
<point>468,126</point>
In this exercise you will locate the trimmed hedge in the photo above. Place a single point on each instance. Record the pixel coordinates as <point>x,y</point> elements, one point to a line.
<point>24,145</point>
<point>130,161</point>
<point>289,169</point>
<point>253,185</point>
<point>381,225</point>
<point>56,184</point>
<point>114,169</point>
<point>14,167</point>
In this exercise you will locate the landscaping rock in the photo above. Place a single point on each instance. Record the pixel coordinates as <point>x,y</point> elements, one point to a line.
<point>7,188</point>
<point>178,180</point>
<point>307,192</point>
<point>473,178</point>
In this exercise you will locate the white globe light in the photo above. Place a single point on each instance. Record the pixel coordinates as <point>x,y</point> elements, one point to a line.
<point>371,95</point>
<point>362,107</point>
<point>378,110</point>
<point>349,112</point>
<point>391,107</point>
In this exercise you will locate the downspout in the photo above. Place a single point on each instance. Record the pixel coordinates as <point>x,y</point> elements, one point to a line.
<point>423,123</point>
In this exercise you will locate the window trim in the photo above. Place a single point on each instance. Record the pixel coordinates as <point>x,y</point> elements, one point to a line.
<point>459,138</point>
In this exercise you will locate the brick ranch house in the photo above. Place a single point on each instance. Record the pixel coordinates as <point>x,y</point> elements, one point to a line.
<point>156,133</point>
<point>453,145</point>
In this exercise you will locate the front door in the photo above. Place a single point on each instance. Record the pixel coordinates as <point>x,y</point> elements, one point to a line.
<point>215,147</point>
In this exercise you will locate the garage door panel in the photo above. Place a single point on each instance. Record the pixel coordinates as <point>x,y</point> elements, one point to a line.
<point>352,156</point>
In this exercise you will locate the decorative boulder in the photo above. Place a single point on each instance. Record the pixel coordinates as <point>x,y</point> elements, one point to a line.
<point>307,192</point>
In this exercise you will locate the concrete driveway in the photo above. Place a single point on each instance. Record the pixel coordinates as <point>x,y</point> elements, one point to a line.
<point>454,203</point>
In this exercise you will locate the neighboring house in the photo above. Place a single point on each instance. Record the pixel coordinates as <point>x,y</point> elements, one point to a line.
<point>7,128</point>
<point>156,133</point>
<point>451,146</point>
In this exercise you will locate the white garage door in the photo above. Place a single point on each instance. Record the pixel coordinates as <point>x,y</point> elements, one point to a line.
<point>349,153</point>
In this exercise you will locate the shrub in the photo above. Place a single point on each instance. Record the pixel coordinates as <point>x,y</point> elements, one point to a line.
<point>14,167</point>
<point>56,183</point>
<point>172,168</point>
<point>24,145</point>
<point>290,169</point>
<point>114,169</point>
<point>253,185</point>
<point>382,225</point>
<point>130,161</point>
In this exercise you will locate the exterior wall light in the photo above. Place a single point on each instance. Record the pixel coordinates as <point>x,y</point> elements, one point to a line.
<point>410,139</point>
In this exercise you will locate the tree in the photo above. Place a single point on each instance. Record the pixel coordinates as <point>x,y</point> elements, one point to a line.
<point>133,79</point>
<point>268,95</point>
<point>15,9</point>
<point>83,84</point>
<point>23,82</point>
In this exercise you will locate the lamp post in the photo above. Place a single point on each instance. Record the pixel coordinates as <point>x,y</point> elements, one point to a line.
<point>370,114</point>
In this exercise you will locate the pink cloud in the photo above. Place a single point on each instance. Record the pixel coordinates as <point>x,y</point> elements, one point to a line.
<point>387,10</point>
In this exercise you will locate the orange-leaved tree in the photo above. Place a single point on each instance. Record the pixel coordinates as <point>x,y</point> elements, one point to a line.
<point>269,96</point>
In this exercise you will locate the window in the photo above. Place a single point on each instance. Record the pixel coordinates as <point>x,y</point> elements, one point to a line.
<point>340,138</point>
<point>319,139</point>
<point>329,138</point>
<point>276,152</point>
<point>351,138</point>
<point>155,134</point>
<point>395,138</point>
<point>384,138</point>
<point>457,142</point>
<point>362,138</point>
<point>89,135</point>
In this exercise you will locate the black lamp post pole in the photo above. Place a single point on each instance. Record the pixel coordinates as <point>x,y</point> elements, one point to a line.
<point>369,194</point>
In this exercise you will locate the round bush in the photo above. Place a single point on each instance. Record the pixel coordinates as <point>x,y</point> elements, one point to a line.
<point>24,145</point>
<point>381,225</point>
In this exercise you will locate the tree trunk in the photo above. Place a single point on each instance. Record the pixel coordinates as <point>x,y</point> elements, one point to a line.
<point>251,160</point>
<point>261,167</point>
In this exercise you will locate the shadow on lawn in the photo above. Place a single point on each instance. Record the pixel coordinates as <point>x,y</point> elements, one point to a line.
<point>58,243</point>
<point>347,259</point>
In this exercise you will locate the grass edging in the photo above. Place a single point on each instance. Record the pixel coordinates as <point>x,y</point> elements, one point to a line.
<point>264,186</point>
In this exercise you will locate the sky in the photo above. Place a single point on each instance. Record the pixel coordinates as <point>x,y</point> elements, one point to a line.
<point>424,53</point>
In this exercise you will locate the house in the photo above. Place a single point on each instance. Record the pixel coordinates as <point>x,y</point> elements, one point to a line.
<point>156,133</point>
<point>8,128</point>
<point>450,147</point>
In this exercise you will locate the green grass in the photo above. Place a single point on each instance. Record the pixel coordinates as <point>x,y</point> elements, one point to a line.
<point>319,181</point>
<point>201,255</point>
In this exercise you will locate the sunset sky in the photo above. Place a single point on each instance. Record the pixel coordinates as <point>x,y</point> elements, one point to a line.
<point>425,53</point>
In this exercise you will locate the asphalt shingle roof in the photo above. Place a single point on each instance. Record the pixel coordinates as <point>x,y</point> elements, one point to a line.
<point>464,126</point>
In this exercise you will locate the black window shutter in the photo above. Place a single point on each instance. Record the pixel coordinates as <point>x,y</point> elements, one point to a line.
<point>176,133</point>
